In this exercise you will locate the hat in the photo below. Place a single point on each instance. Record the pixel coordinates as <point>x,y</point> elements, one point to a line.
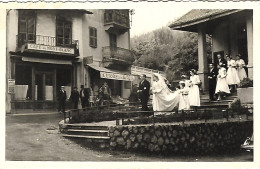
<point>62,86</point>
<point>182,82</point>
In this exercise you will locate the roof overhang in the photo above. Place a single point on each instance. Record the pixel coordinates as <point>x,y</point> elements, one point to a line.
<point>191,25</point>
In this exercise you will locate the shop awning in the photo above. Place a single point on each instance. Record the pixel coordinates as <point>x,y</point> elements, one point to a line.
<point>44,60</point>
<point>111,74</point>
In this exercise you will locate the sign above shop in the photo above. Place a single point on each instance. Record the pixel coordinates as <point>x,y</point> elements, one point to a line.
<point>11,85</point>
<point>116,76</point>
<point>50,48</point>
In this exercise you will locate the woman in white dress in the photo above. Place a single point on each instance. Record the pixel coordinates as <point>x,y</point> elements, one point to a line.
<point>232,75</point>
<point>222,86</point>
<point>240,68</point>
<point>184,99</point>
<point>163,98</point>
<point>194,93</point>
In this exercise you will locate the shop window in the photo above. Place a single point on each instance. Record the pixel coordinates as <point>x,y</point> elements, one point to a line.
<point>64,78</point>
<point>127,84</point>
<point>23,81</point>
<point>112,40</point>
<point>92,37</point>
<point>26,26</point>
<point>63,31</point>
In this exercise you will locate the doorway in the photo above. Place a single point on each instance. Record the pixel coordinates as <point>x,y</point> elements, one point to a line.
<point>44,86</point>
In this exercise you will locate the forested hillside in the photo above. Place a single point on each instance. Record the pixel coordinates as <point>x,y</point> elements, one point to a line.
<point>176,52</point>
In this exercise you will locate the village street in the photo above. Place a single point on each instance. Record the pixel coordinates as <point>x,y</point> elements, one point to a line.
<point>36,138</point>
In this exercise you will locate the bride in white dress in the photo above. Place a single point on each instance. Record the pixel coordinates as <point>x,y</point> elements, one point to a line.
<point>163,98</point>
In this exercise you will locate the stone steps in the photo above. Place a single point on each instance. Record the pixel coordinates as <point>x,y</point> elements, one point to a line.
<point>87,132</point>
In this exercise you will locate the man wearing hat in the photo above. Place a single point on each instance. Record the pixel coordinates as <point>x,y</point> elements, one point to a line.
<point>212,76</point>
<point>74,97</point>
<point>84,97</point>
<point>62,96</point>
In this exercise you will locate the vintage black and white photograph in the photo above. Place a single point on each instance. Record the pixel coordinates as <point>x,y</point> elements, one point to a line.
<point>140,84</point>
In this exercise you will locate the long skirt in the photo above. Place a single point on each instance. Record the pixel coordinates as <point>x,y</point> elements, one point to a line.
<point>241,73</point>
<point>222,86</point>
<point>232,76</point>
<point>194,95</point>
<point>184,102</point>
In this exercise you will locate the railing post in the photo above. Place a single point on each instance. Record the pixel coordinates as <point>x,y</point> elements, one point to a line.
<point>183,116</point>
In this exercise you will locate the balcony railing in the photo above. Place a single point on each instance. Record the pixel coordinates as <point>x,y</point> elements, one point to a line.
<point>117,54</point>
<point>48,43</point>
<point>119,17</point>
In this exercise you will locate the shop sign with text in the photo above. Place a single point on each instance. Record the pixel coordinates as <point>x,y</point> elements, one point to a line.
<point>116,76</point>
<point>50,48</point>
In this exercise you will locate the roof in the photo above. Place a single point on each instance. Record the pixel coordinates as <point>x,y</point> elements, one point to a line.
<point>197,16</point>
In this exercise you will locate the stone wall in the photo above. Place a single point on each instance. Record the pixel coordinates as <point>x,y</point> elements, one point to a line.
<point>181,139</point>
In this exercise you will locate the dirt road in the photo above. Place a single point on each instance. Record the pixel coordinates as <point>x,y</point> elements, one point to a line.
<point>36,138</point>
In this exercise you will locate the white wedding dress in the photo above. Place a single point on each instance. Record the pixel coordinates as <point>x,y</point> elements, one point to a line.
<point>163,98</point>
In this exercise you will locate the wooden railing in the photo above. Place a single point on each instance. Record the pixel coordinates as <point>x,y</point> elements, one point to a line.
<point>131,111</point>
<point>117,53</point>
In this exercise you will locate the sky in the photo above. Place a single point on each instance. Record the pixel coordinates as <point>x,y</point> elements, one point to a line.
<point>148,18</point>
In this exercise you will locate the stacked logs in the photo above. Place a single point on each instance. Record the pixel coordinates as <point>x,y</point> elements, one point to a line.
<point>201,138</point>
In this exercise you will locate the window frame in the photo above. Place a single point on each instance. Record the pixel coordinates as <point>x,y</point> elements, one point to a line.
<point>24,17</point>
<point>93,37</point>
<point>63,23</point>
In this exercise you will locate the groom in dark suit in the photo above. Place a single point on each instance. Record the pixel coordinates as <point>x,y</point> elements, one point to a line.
<point>144,92</point>
<point>212,76</point>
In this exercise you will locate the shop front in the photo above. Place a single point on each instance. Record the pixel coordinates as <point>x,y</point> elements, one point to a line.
<point>118,81</point>
<point>37,82</point>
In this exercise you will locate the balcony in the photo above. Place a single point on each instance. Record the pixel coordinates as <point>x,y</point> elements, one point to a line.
<point>116,21</point>
<point>114,56</point>
<point>47,44</point>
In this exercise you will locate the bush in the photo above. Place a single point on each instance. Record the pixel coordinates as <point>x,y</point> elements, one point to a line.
<point>235,104</point>
<point>246,82</point>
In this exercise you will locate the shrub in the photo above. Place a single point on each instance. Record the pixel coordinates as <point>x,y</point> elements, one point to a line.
<point>246,82</point>
<point>235,104</point>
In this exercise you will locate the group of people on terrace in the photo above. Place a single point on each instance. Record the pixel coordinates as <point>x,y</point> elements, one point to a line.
<point>223,77</point>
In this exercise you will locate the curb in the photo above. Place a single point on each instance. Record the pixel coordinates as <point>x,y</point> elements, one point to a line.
<point>32,114</point>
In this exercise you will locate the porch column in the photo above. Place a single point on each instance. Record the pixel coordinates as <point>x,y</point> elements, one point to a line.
<point>54,84</point>
<point>33,87</point>
<point>249,28</point>
<point>202,57</point>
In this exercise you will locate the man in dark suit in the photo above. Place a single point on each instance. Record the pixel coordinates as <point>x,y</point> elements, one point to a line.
<point>144,91</point>
<point>62,96</point>
<point>84,97</point>
<point>74,97</point>
<point>221,61</point>
<point>212,76</point>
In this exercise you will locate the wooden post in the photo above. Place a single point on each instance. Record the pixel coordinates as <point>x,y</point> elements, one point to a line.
<point>33,87</point>
<point>249,29</point>
<point>202,56</point>
<point>54,88</point>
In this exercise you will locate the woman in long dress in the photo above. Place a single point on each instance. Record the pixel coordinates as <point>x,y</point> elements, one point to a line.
<point>194,93</point>
<point>222,86</point>
<point>163,98</point>
<point>184,99</point>
<point>232,75</point>
<point>240,68</point>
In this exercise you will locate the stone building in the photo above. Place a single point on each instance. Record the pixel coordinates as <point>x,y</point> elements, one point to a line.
<point>231,31</point>
<point>46,49</point>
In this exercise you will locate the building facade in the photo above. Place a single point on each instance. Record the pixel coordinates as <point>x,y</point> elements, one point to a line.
<point>47,49</point>
<point>231,31</point>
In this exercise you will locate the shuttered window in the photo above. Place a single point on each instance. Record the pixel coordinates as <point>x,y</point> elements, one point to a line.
<point>26,27</point>
<point>92,37</point>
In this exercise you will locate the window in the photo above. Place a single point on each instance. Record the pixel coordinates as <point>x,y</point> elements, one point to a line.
<point>92,37</point>
<point>26,27</point>
<point>63,31</point>
<point>112,40</point>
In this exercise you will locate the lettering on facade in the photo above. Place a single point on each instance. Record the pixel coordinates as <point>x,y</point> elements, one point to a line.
<point>116,76</point>
<point>11,85</point>
<point>50,48</point>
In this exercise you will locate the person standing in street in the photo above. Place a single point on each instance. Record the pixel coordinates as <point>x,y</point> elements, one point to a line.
<point>74,97</point>
<point>144,91</point>
<point>84,97</point>
<point>212,76</point>
<point>62,96</point>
